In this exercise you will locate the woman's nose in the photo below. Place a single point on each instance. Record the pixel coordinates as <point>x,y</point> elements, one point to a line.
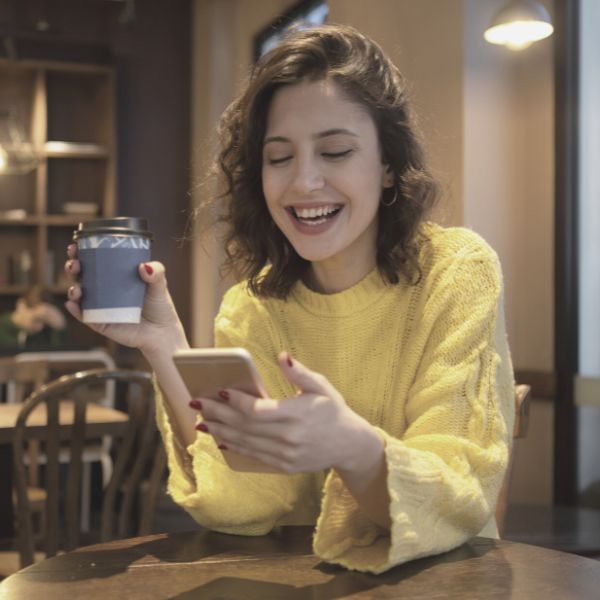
<point>307,176</point>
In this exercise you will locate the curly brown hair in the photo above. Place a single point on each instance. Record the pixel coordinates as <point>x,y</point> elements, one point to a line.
<point>361,69</point>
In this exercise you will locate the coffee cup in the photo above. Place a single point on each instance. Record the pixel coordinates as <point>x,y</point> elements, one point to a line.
<point>110,251</point>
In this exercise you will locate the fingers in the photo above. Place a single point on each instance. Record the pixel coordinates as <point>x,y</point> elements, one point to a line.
<point>252,408</point>
<point>244,442</point>
<point>72,268</point>
<point>154,274</point>
<point>74,293</point>
<point>72,251</point>
<point>302,377</point>
<point>239,410</point>
<point>72,303</point>
<point>73,309</point>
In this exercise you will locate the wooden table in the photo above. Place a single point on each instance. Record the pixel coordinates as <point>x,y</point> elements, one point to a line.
<point>566,528</point>
<point>100,421</point>
<point>281,565</point>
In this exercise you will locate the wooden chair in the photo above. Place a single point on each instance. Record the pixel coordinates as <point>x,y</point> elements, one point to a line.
<point>138,451</point>
<point>22,379</point>
<point>522,397</point>
<point>61,362</point>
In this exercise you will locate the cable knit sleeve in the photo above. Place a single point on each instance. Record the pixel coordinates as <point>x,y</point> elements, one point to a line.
<point>446,468</point>
<point>200,480</point>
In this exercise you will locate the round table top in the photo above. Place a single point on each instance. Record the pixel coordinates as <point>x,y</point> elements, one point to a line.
<point>204,564</point>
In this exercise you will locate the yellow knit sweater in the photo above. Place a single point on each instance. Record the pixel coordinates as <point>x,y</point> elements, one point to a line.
<point>427,364</point>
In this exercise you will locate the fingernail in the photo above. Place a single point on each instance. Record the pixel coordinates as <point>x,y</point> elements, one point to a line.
<point>69,265</point>
<point>289,361</point>
<point>148,268</point>
<point>196,404</point>
<point>224,395</point>
<point>71,290</point>
<point>202,427</point>
<point>222,447</point>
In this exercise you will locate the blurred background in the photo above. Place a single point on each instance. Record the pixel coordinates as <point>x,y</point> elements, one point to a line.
<point>109,107</point>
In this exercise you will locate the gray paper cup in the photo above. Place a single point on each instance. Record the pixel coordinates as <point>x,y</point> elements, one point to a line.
<point>110,251</point>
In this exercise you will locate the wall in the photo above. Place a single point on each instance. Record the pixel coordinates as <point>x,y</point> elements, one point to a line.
<point>424,39</point>
<point>487,116</point>
<point>509,199</point>
<point>153,88</point>
<point>221,55</point>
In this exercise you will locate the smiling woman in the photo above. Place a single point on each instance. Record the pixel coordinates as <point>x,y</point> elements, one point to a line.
<point>379,336</point>
<point>354,85</point>
<point>323,184</point>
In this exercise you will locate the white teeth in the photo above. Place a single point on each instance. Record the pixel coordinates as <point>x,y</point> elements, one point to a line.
<point>311,213</point>
<point>315,222</point>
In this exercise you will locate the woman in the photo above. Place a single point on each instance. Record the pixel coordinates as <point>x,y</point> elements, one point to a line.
<point>380,335</point>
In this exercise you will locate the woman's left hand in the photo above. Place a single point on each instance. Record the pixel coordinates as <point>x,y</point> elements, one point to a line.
<point>311,431</point>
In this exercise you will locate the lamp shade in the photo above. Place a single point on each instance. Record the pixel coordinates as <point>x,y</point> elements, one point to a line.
<point>519,24</point>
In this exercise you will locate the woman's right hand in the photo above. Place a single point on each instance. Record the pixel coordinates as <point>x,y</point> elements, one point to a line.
<point>159,328</point>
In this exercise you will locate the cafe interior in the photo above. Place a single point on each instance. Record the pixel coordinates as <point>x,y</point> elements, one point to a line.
<point>109,108</point>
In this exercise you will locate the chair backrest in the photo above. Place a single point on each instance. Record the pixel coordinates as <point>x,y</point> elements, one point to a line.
<point>61,362</point>
<point>138,449</point>
<point>22,377</point>
<point>521,424</point>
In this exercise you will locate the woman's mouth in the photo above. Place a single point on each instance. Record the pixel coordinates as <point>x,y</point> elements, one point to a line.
<point>315,216</point>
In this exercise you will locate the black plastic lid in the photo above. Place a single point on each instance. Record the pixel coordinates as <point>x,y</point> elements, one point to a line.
<point>114,226</point>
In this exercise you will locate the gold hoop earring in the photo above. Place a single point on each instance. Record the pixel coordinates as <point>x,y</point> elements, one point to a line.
<point>393,201</point>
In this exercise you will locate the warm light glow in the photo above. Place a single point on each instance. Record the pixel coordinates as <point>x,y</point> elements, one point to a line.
<point>3,159</point>
<point>518,34</point>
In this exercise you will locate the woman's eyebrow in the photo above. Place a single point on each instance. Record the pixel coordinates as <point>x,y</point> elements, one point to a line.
<point>336,131</point>
<point>320,135</point>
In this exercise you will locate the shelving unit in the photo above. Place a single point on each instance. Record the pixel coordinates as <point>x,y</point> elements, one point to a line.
<point>67,111</point>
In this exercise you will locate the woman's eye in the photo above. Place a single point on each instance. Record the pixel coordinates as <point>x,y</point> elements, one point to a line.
<point>336,155</point>
<point>278,161</point>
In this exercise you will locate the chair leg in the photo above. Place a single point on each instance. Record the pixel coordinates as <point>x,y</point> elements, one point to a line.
<point>107,468</point>
<point>86,495</point>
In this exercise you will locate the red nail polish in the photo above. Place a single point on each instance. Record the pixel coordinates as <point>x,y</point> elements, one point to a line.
<point>223,395</point>
<point>148,268</point>
<point>202,427</point>
<point>289,361</point>
<point>196,404</point>
<point>222,447</point>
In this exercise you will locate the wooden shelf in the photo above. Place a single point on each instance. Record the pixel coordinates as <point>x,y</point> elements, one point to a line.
<point>68,114</point>
<point>26,222</point>
<point>13,290</point>
<point>49,220</point>
<point>66,220</point>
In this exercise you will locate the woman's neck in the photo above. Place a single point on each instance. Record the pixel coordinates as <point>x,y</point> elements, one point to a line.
<point>327,278</point>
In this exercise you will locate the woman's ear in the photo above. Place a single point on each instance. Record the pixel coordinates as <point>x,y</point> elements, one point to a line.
<point>387,180</point>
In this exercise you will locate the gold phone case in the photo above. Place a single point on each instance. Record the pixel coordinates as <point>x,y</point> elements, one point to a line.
<point>206,371</point>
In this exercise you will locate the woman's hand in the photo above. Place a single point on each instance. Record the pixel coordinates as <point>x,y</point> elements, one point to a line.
<point>312,431</point>
<point>159,328</point>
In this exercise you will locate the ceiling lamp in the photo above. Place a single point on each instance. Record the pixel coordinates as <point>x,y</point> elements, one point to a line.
<point>519,24</point>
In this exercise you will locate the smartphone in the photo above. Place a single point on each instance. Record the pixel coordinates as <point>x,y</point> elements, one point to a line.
<point>206,371</point>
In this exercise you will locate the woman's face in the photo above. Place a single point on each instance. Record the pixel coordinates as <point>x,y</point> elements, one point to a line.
<point>322,174</point>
